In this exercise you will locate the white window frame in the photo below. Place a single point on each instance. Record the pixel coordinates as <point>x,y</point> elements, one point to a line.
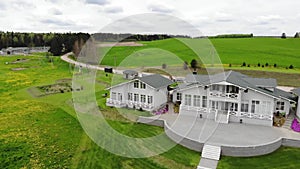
<point>150,99</point>
<point>136,97</point>
<point>188,100</point>
<point>179,96</point>
<point>197,101</point>
<point>204,101</point>
<point>114,95</point>
<point>142,85</point>
<point>280,106</point>
<point>143,98</point>
<point>136,84</point>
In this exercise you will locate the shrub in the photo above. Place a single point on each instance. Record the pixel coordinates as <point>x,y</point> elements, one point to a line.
<point>194,64</point>
<point>263,66</point>
<point>244,64</point>
<point>258,64</point>
<point>248,65</point>
<point>230,65</point>
<point>164,66</point>
<point>291,67</point>
<point>267,64</point>
<point>275,65</point>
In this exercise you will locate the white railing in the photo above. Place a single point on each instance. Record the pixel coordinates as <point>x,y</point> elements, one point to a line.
<point>257,116</point>
<point>183,107</point>
<point>224,95</point>
<point>129,103</point>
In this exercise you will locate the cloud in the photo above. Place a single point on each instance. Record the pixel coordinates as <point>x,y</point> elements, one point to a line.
<point>113,9</point>
<point>55,11</point>
<point>57,22</point>
<point>160,8</point>
<point>2,6</point>
<point>23,5</point>
<point>97,2</point>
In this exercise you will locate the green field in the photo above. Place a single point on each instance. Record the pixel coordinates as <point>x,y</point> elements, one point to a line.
<point>43,132</point>
<point>282,52</point>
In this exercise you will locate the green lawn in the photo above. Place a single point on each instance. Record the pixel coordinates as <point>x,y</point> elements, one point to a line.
<point>283,52</point>
<point>43,132</point>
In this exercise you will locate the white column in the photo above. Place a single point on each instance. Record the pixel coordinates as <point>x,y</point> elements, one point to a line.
<point>298,108</point>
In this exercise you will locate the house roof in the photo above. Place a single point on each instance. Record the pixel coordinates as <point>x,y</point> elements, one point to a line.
<point>156,81</point>
<point>131,72</point>
<point>296,91</point>
<point>238,79</point>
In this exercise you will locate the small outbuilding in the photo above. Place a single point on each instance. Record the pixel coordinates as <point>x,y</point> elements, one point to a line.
<point>130,74</point>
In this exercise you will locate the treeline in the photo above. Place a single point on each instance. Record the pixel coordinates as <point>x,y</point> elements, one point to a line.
<point>59,43</point>
<point>111,37</point>
<point>233,36</point>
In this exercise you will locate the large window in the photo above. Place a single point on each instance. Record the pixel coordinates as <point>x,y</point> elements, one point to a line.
<point>179,96</point>
<point>197,100</point>
<point>215,88</point>
<point>265,107</point>
<point>245,107</point>
<point>130,96</point>
<point>143,85</point>
<point>136,97</point>
<point>143,98</point>
<point>150,99</point>
<point>120,98</point>
<point>188,100</point>
<point>280,106</point>
<point>255,106</point>
<point>114,95</point>
<point>204,101</point>
<point>136,84</point>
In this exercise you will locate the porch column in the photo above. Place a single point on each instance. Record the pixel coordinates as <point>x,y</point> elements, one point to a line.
<point>239,103</point>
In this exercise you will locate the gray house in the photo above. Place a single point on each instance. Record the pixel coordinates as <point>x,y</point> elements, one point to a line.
<point>149,93</point>
<point>232,97</point>
<point>130,74</point>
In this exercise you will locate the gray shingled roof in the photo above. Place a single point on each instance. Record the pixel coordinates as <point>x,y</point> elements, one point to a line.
<point>241,80</point>
<point>130,72</point>
<point>156,81</point>
<point>296,91</point>
<point>262,82</point>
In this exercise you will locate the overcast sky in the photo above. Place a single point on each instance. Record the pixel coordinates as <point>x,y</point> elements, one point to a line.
<point>211,17</point>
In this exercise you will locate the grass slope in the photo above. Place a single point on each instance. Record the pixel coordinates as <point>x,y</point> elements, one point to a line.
<point>283,52</point>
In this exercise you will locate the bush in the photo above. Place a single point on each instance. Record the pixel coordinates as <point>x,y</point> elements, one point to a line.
<point>230,65</point>
<point>267,64</point>
<point>248,65</point>
<point>275,65</point>
<point>194,64</point>
<point>263,66</point>
<point>258,64</point>
<point>244,64</point>
<point>164,66</point>
<point>291,67</point>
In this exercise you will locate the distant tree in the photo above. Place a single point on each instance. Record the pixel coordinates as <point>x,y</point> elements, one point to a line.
<point>248,65</point>
<point>194,64</point>
<point>267,64</point>
<point>230,65</point>
<point>244,64</point>
<point>275,65</point>
<point>56,46</point>
<point>291,67</point>
<point>263,66</point>
<point>283,36</point>
<point>164,66</point>
<point>297,35</point>
<point>185,65</point>
<point>258,64</point>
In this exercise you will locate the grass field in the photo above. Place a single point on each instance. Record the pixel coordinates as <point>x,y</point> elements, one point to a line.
<point>282,52</point>
<point>43,132</point>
